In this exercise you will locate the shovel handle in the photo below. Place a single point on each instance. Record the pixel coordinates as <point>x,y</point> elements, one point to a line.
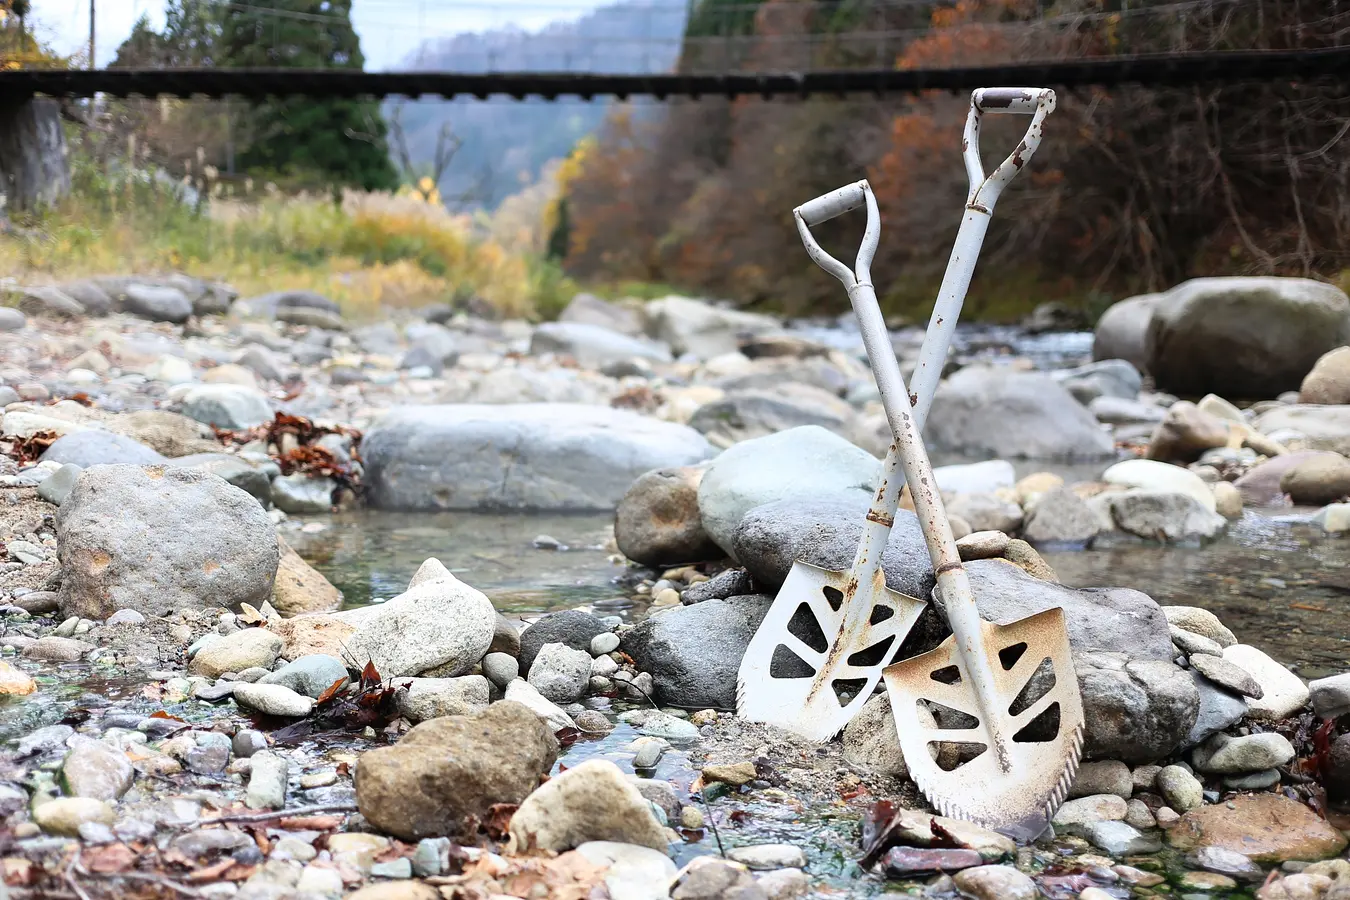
<point>834,204</point>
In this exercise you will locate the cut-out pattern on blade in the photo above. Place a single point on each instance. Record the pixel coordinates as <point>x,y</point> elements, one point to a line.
<point>826,647</point>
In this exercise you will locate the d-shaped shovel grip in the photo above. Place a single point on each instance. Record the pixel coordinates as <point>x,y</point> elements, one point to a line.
<point>1036,102</point>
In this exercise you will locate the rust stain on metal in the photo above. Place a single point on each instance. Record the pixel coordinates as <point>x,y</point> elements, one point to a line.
<point>880,519</point>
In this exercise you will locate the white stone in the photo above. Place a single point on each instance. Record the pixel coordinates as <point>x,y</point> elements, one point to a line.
<point>1152,475</point>
<point>975,478</point>
<point>553,715</point>
<point>1285,692</point>
<point>1331,696</point>
<point>635,873</point>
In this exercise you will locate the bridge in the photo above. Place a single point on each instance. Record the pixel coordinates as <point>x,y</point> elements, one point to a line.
<point>1160,70</point>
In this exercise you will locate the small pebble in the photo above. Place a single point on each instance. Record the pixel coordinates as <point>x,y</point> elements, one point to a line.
<point>691,817</point>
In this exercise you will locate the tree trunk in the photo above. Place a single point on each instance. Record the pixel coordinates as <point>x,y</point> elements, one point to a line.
<point>33,166</point>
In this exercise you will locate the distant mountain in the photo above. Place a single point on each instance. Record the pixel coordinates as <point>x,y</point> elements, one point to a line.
<point>512,139</point>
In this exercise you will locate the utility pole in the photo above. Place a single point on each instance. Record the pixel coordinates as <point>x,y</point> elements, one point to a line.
<point>91,34</point>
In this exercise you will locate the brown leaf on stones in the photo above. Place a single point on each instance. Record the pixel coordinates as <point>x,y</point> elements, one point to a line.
<point>499,820</point>
<point>109,858</point>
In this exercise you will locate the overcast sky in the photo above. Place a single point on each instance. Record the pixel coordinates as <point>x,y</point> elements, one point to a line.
<point>390,30</point>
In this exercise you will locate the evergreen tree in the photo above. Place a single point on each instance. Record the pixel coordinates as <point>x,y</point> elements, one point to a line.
<point>340,140</point>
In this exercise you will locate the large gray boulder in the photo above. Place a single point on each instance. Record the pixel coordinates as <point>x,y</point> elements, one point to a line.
<point>1122,331</point>
<point>989,411</point>
<point>593,346</point>
<point>94,447</point>
<point>1243,337</point>
<point>805,462</point>
<point>156,303</point>
<point>161,540</point>
<point>748,414</point>
<point>692,326</point>
<point>694,652</point>
<point>1136,711</point>
<point>557,456</point>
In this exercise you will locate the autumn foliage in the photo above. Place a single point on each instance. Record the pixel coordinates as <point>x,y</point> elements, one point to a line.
<point>1132,190</point>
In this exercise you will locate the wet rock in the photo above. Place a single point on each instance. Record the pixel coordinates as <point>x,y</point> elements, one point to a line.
<point>1283,692</point>
<point>1331,696</point>
<point>1109,776</point>
<point>990,411</point>
<point>1182,790</point>
<point>1116,378</point>
<point>1267,828</point>
<point>593,346</point>
<point>986,512</point>
<point>267,781</point>
<point>915,827</point>
<point>1320,427</point>
<point>1138,815</point>
<point>1328,383</point>
<point>1226,675</point>
<point>300,588</point>
<point>1226,862</point>
<point>906,862</point>
<point>98,448</point>
<point>1224,755</point>
<point>1158,477</point>
<point>694,653</point>
<point>1074,814</point>
<point>1165,517</point>
<point>248,742</point>
<point>1120,839</point>
<point>161,540</point>
<point>1260,486</point>
<point>302,495</point>
<point>65,815</point>
<point>94,769</point>
<point>560,673</point>
<point>660,724</point>
<point>553,715</point>
<point>1199,621</point>
<point>803,464</point>
<point>742,415</point>
<point>996,883</point>
<point>658,522</point>
<point>1249,337</point>
<point>731,583</point>
<point>1316,481</point>
<point>57,649</point>
<point>43,740</point>
<point>236,652</point>
<point>571,628</point>
<point>1060,517</point>
<point>1332,519</point>
<point>309,675</point>
<point>640,873</point>
<point>1115,411</point>
<point>397,890</point>
<point>1186,432</point>
<point>762,857</point>
<point>711,878</point>
<point>558,456</point>
<point>441,623</point>
<point>589,802</point>
<point>15,682</point>
<point>431,698</point>
<point>57,487</point>
<point>825,532</point>
<point>1136,710</point>
<point>735,774</point>
<point>447,770</point>
<point>272,699</point>
<point>1256,781</point>
<point>226,406</point>
<point>158,304</point>
<point>692,326</point>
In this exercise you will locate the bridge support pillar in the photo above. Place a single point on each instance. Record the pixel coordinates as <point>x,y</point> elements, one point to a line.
<point>33,165</point>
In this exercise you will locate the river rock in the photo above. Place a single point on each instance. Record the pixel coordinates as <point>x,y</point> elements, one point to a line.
<point>1329,381</point>
<point>1316,481</point>
<point>94,769</point>
<point>272,699</point>
<point>588,309</point>
<point>1115,411</point>
<point>1109,776</point>
<point>95,448</point>
<point>593,346</point>
<point>56,487</point>
<point>236,652</point>
<point>640,873</point>
<point>800,463</point>
<point>592,801</point>
<point>268,773</point>
<point>440,624</point>
<point>1104,378</point>
<point>1160,516</point>
<point>995,883</point>
<point>765,857</point>
<point>693,653</point>
<point>299,587</point>
<point>1186,432</point>
<point>743,415</point>
<point>158,304</point>
<point>501,668</point>
<point>12,319</point>
<point>306,635</point>
<point>160,540</point>
<point>1136,710</point>
<point>824,531</point>
<point>1219,710</point>
<point>521,456</point>
<point>1283,692</point>
<point>698,328</point>
<point>302,495</point>
<point>226,406</point>
<point>658,523</point>
<point>1060,516</point>
<point>560,673</point>
<point>309,675</point>
<point>1224,755</point>
<point>1122,330</point>
<point>1120,838</point>
<point>1182,790</point>
<point>870,742</point>
<point>1331,696</point>
<point>554,716</point>
<point>1099,808</point>
<point>65,815</point>
<point>1267,828</point>
<point>431,698</point>
<point>994,412</point>
<point>986,512</point>
<point>1319,427</point>
<point>1199,621</point>
<point>571,627</point>
<point>975,478</point>
<point>446,773</point>
<point>1226,675</point>
<point>1192,644</point>
<point>1247,336</point>
<point>169,433</point>
<point>1334,518</point>
<point>1151,475</point>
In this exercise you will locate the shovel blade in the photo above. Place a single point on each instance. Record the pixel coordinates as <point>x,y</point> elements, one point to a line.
<point>819,653</point>
<point>1002,782</point>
